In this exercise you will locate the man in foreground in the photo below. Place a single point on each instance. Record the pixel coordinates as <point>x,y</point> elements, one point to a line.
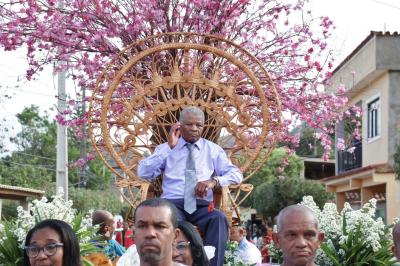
<point>298,236</point>
<point>155,232</point>
<point>192,167</point>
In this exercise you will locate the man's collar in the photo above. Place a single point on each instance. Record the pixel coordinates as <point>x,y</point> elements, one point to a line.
<point>198,144</point>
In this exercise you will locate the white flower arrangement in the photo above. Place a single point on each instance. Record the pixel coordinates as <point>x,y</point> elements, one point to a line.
<point>352,236</point>
<point>15,231</point>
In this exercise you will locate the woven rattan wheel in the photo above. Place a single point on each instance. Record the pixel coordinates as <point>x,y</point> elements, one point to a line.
<point>141,92</point>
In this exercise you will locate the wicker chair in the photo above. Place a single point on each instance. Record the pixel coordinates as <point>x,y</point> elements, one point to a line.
<point>142,90</point>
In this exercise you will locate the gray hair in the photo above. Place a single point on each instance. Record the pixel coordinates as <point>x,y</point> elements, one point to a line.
<point>191,110</point>
<point>292,209</point>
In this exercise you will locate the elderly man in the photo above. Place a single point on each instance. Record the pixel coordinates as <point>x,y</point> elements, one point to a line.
<point>105,220</point>
<point>156,230</point>
<point>298,236</point>
<point>247,251</point>
<point>396,241</point>
<point>192,167</point>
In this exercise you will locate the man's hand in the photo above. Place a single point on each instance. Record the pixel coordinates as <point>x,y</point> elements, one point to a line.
<point>174,134</point>
<point>202,187</point>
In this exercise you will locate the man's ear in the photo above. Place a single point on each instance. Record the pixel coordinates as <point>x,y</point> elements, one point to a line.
<point>275,237</point>
<point>176,235</point>
<point>321,237</point>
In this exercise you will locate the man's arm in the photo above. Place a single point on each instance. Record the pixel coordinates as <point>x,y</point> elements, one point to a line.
<point>227,173</point>
<point>152,166</point>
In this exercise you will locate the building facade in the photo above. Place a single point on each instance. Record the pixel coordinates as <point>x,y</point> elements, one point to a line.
<point>371,75</point>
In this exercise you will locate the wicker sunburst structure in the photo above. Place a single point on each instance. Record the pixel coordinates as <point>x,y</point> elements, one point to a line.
<point>141,92</point>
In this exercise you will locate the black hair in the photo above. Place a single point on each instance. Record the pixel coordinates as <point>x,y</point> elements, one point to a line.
<point>158,202</point>
<point>71,249</point>
<point>196,243</point>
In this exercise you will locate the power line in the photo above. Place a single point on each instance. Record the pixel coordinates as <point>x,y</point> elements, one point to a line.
<point>31,92</point>
<point>29,165</point>
<point>386,4</point>
<point>33,155</point>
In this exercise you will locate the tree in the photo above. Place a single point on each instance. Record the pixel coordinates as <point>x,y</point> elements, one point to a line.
<point>85,35</point>
<point>309,145</point>
<point>278,184</point>
<point>33,164</point>
<point>270,198</point>
<point>279,164</point>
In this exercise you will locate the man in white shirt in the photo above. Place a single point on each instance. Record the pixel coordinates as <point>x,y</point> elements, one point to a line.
<point>247,251</point>
<point>192,166</point>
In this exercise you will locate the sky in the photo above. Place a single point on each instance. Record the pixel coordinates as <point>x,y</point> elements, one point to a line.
<point>354,19</point>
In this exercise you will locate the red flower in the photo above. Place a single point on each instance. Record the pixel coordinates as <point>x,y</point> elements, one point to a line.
<point>211,206</point>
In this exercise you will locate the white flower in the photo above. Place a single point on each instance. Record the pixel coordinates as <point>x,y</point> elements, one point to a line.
<point>43,209</point>
<point>371,230</point>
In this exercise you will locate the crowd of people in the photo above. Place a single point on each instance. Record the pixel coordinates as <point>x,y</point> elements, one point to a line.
<point>161,239</point>
<point>163,227</point>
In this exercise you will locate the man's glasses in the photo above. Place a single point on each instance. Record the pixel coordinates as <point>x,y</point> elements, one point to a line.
<point>48,250</point>
<point>182,246</point>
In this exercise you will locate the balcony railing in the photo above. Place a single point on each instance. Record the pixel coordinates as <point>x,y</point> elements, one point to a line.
<point>348,161</point>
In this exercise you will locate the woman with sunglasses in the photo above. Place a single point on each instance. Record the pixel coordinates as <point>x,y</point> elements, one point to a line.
<point>189,248</point>
<point>52,242</point>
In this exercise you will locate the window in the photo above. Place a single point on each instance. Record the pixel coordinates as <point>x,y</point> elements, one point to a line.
<point>373,118</point>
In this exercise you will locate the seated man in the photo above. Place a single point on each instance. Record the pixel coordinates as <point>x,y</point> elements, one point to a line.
<point>298,236</point>
<point>396,241</point>
<point>247,251</point>
<point>156,232</point>
<point>189,163</point>
<point>106,222</point>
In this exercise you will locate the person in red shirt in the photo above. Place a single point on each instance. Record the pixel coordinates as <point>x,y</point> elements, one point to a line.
<point>125,237</point>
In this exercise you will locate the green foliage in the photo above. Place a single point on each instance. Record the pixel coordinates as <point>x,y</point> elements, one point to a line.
<point>273,169</point>
<point>86,199</point>
<point>34,163</point>
<point>309,145</point>
<point>8,210</point>
<point>11,253</point>
<point>274,166</point>
<point>270,198</point>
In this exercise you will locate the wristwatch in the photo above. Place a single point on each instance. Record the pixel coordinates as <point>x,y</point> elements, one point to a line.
<point>214,178</point>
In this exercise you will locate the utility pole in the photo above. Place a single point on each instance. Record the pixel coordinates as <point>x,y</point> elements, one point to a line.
<point>62,146</point>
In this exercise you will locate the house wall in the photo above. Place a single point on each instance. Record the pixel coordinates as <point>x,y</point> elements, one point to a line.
<point>353,72</point>
<point>375,151</point>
